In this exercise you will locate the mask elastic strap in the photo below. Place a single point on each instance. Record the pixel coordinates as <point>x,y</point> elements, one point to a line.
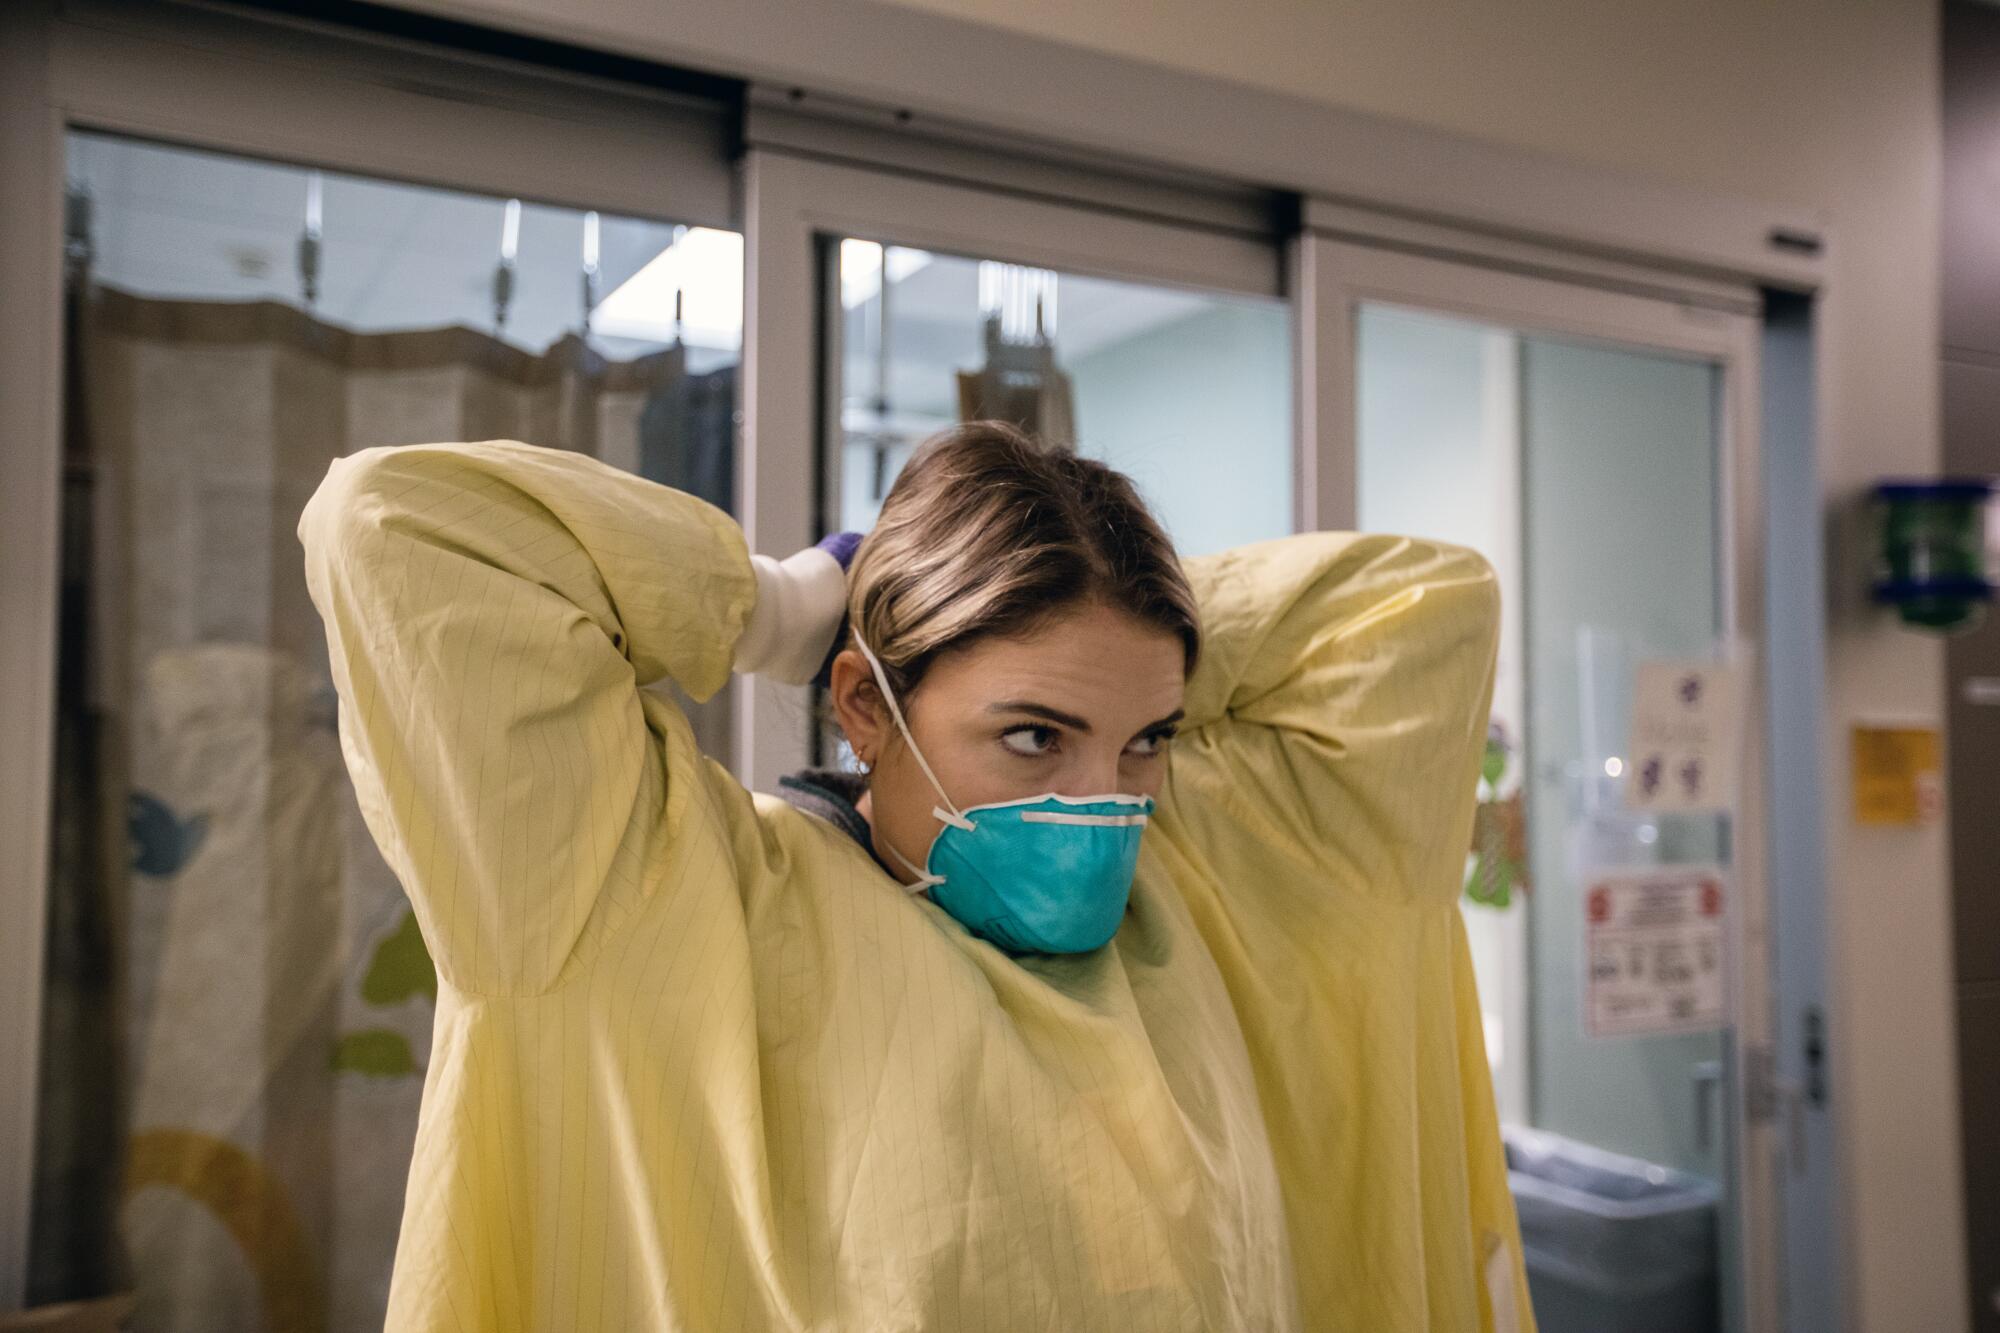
<point>925,879</point>
<point>948,812</point>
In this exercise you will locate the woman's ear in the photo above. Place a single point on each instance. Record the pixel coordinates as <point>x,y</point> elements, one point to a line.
<point>858,707</point>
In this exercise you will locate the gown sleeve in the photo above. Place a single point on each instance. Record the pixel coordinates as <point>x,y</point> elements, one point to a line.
<point>1316,820</point>
<point>491,610</point>
<point>1353,677</point>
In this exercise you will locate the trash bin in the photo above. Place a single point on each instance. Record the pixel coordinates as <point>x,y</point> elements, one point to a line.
<point>1613,1244</point>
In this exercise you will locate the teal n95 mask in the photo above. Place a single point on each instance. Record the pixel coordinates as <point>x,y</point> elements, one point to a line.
<point>1046,874</point>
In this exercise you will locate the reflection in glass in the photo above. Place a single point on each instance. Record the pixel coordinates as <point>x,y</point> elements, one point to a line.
<point>1189,392</point>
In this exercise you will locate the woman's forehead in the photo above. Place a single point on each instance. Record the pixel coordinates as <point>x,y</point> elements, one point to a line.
<point>1092,661</point>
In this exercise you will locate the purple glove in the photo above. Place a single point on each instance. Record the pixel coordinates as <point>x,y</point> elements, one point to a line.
<point>841,546</point>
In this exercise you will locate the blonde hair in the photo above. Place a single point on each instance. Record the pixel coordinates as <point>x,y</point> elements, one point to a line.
<point>988,534</point>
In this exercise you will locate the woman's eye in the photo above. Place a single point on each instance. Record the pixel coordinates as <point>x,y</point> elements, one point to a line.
<point>1145,747</point>
<point>1030,741</point>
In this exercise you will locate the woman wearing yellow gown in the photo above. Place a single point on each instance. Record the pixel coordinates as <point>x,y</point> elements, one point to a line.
<point>1127,990</point>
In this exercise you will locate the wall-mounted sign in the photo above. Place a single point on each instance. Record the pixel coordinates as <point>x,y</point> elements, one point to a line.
<point>1686,736</point>
<point>1898,782</point>
<point>1655,951</point>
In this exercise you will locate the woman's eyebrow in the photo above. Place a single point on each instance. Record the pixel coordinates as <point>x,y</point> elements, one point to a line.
<point>1071,720</point>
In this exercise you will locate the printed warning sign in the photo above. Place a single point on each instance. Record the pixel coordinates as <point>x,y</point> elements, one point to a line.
<point>1654,951</point>
<point>1898,778</point>
<point>1686,733</point>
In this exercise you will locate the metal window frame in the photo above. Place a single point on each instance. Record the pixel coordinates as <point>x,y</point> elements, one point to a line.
<point>880,138</point>
<point>932,69</point>
<point>388,109</point>
<point>30,532</point>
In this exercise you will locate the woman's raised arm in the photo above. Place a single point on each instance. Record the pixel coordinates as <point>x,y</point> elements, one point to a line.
<point>1343,695</point>
<point>490,610</point>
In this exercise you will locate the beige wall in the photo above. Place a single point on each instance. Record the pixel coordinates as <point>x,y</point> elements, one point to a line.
<point>1830,106</point>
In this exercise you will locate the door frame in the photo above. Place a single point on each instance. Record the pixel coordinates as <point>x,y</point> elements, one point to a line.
<point>1713,322</point>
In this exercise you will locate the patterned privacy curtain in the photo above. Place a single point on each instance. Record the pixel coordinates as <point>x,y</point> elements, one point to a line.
<point>259,987</point>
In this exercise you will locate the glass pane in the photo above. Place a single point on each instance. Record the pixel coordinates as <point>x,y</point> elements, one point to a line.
<point>1587,473</point>
<point>1188,392</point>
<point>239,1004</point>
<point>1439,456</point>
<point>1621,498</point>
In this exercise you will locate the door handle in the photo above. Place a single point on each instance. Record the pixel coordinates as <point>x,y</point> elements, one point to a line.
<point>1795,1123</point>
<point>1707,1079</point>
<point>1770,1096</point>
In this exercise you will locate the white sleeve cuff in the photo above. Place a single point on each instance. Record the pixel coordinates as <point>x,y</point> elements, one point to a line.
<point>800,601</point>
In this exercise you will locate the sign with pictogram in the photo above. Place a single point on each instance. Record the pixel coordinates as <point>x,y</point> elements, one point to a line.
<point>1687,734</point>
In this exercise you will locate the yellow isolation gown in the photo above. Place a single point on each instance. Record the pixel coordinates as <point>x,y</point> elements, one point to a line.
<point>700,1064</point>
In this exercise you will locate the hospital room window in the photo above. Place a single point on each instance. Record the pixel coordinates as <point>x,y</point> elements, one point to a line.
<point>1188,391</point>
<point>238,1001</point>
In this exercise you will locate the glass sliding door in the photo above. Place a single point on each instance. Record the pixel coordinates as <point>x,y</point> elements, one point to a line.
<point>237,1000</point>
<point>1593,448</point>
<point>1188,392</point>
<point>1163,348</point>
<point>1622,565</point>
